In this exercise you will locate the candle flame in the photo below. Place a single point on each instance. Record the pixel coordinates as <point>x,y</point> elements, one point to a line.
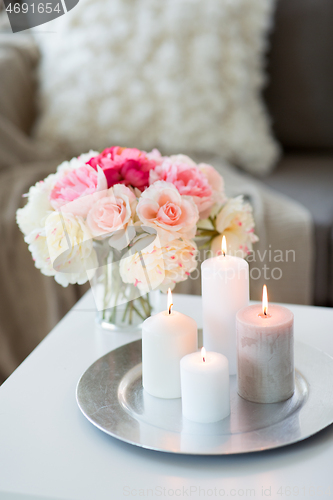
<point>170,303</point>
<point>203,354</point>
<point>264,301</point>
<point>224,246</point>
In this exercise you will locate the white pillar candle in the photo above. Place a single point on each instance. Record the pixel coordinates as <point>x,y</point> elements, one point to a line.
<point>205,386</point>
<point>225,290</point>
<point>166,338</point>
<point>265,341</point>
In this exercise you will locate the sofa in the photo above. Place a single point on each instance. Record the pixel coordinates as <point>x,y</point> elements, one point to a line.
<point>298,96</point>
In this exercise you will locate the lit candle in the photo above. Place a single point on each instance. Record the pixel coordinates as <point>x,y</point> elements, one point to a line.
<point>265,343</point>
<point>225,290</point>
<point>166,338</point>
<point>205,386</point>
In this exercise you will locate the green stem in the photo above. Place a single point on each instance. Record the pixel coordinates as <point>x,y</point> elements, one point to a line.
<point>130,312</point>
<point>149,304</point>
<point>137,312</point>
<point>212,221</point>
<point>115,305</point>
<point>205,245</point>
<point>202,233</point>
<point>145,306</point>
<point>105,290</point>
<point>125,312</point>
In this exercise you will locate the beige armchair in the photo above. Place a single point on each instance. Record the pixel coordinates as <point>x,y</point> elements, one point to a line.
<point>30,303</point>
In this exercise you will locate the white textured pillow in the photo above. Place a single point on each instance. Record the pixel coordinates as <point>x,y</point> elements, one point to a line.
<point>179,75</point>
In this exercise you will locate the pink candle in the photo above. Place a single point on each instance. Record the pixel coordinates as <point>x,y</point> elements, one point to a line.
<point>265,353</point>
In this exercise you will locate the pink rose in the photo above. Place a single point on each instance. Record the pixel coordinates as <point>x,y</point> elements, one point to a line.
<point>127,166</point>
<point>201,182</point>
<point>75,184</point>
<point>112,212</point>
<point>216,182</point>
<point>161,206</point>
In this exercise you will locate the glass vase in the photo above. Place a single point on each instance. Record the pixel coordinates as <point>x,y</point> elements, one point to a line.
<point>120,306</point>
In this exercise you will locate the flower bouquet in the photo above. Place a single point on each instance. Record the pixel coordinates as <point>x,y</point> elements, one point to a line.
<point>129,221</point>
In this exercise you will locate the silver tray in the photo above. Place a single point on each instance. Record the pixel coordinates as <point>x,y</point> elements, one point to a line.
<point>111,397</point>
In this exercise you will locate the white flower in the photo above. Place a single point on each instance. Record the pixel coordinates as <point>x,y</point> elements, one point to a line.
<point>160,267</point>
<point>235,221</point>
<point>180,259</point>
<point>40,252</point>
<point>70,248</point>
<point>32,215</point>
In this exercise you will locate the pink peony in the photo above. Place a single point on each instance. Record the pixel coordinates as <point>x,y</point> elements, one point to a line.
<point>161,206</point>
<point>201,182</point>
<point>112,212</point>
<point>155,156</point>
<point>127,166</point>
<point>216,182</point>
<point>75,184</point>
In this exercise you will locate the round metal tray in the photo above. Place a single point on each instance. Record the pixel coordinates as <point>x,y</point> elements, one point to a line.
<point>111,397</point>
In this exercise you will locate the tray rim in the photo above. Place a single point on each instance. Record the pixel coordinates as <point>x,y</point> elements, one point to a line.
<point>298,344</point>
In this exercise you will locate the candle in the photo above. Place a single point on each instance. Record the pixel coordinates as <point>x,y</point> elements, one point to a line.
<point>166,338</point>
<point>205,386</point>
<point>265,342</point>
<point>225,290</point>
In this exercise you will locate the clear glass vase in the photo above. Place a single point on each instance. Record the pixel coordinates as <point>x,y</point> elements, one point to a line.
<point>120,306</point>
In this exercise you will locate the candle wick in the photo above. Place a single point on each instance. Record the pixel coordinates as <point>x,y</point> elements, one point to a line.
<point>223,253</point>
<point>204,359</point>
<point>170,306</point>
